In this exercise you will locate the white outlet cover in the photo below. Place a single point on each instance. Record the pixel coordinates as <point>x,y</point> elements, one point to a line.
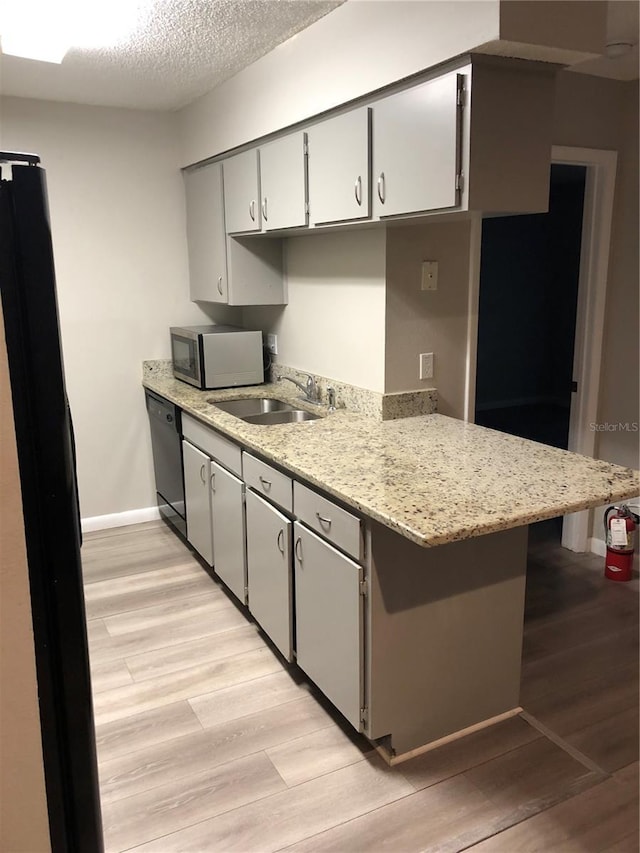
<point>272,344</point>
<point>426,365</point>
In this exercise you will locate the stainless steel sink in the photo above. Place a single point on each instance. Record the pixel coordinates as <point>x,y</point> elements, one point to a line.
<point>294,416</point>
<point>264,410</point>
<point>251,406</point>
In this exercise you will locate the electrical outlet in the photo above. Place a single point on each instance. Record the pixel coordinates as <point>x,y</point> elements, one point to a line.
<point>429,275</point>
<point>272,344</point>
<point>426,365</point>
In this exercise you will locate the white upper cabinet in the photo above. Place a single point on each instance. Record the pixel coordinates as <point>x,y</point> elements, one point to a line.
<point>206,236</point>
<point>416,148</point>
<point>242,193</point>
<point>339,168</point>
<point>283,178</point>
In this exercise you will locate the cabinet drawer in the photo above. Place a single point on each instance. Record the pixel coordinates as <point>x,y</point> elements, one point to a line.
<point>328,519</point>
<point>267,481</point>
<point>225,451</point>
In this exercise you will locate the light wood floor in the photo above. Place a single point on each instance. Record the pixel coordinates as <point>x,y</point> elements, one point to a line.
<point>208,742</point>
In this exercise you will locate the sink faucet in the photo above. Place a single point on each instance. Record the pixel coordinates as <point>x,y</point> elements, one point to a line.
<point>309,388</point>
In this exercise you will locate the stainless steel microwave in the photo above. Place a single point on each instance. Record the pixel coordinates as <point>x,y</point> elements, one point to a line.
<point>217,356</point>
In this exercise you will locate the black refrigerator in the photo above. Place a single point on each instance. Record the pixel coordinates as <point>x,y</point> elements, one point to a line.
<point>46,459</point>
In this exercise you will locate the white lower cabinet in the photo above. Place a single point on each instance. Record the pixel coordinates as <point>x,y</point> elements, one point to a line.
<point>227,524</point>
<point>329,608</point>
<point>197,497</point>
<point>269,573</point>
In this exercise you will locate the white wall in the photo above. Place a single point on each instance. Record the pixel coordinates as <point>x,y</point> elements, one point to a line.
<point>117,216</point>
<point>335,320</point>
<point>361,46</point>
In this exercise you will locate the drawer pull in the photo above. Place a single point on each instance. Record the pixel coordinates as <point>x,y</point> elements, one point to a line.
<point>299,549</point>
<point>252,211</point>
<point>280,542</point>
<point>220,285</point>
<point>323,520</point>
<point>382,188</point>
<point>212,481</point>
<point>202,477</point>
<point>358,191</point>
<point>266,484</point>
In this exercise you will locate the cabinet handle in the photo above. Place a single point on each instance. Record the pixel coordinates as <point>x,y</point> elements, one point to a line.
<point>212,481</point>
<point>202,477</point>
<point>264,209</point>
<point>280,542</point>
<point>220,285</point>
<point>382,189</point>
<point>298,549</point>
<point>266,484</point>
<point>358,191</point>
<point>323,520</point>
<point>252,211</point>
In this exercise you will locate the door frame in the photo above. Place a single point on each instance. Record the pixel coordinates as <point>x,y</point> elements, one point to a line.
<point>590,311</point>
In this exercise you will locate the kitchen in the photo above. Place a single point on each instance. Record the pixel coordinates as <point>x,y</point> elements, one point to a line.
<point>102,157</point>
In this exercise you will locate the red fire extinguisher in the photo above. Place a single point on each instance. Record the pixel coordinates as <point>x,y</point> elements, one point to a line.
<point>620,529</point>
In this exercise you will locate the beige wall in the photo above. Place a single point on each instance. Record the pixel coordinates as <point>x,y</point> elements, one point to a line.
<point>334,322</point>
<point>420,321</point>
<point>597,113</point>
<point>359,47</point>
<point>118,224</point>
<point>24,826</point>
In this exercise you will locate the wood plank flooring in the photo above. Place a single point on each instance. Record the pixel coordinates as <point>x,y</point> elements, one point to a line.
<point>208,741</point>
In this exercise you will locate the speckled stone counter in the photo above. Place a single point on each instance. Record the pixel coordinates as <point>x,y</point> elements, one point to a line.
<point>432,478</point>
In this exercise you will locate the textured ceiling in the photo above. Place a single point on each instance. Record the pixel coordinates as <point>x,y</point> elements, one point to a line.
<point>179,50</point>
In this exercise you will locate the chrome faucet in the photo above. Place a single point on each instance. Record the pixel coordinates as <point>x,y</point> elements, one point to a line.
<point>309,388</point>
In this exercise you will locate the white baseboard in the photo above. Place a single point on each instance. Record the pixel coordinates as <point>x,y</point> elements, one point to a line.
<point>120,519</point>
<point>597,546</point>
<point>514,402</point>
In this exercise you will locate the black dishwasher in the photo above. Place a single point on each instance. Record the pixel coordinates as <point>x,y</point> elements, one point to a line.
<point>166,437</point>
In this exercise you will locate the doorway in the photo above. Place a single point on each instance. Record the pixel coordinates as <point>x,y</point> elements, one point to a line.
<point>529,276</point>
<point>528,299</point>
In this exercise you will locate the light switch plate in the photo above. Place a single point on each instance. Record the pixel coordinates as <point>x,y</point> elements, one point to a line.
<point>429,275</point>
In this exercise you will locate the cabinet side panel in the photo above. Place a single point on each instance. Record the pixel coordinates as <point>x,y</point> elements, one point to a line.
<point>255,271</point>
<point>511,136</point>
<point>444,634</point>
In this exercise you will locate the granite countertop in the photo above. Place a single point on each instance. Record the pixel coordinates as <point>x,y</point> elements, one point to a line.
<point>431,478</point>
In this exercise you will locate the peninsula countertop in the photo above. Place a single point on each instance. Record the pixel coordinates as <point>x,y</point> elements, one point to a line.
<point>432,478</point>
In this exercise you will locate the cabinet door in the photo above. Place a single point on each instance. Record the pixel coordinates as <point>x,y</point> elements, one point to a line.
<point>206,237</point>
<point>227,511</point>
<point>197,500</point>
<point>329,621</point>
<point>416,148</point>
<point>269,571</point>
<point>283,180</point>
<point>242,192</point>
<point>339,168</point>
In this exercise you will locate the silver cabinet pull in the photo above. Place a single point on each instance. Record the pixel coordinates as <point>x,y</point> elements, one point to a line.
<point>266,484</point>
<point>358,190</point>
<point>252,211</point>
<point>212,481</point>
<point>299,549</point>
<point>323,520</point>
<point>280,542</point>
<point>220,285</point>
<point>382,189</point>
<point>202,477</point>
<point>264,208</point>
